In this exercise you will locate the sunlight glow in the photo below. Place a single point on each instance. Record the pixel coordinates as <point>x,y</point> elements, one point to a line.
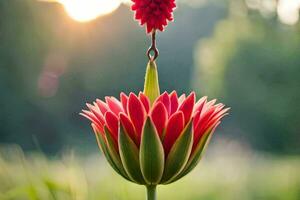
<point>84,11</point>
<point>288,11</point>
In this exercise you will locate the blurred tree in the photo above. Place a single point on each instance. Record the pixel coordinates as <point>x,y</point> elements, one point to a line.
<point>252,63</point>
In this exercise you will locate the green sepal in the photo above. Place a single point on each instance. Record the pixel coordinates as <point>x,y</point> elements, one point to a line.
<point>151,86</point>
<point>130,156</point>
<point>196,156</point>
<point>152,156</point>
<point>179,154</point>
<point>104,149</point>
<point>111,147</point>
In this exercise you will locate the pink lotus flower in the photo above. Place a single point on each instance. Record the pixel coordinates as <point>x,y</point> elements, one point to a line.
<point>154,13</point>
<point>170,117</point>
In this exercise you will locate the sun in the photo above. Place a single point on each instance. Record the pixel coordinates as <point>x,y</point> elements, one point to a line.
<point>87,10</point>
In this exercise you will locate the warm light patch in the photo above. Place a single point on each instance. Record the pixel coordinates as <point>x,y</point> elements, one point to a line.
<point>87,10</point>
<point>288,11</point>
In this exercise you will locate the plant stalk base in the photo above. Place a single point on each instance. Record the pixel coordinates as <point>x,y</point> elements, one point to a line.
<point>151,192</point>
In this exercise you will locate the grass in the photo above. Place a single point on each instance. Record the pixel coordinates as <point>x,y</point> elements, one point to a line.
<point>229,175</point>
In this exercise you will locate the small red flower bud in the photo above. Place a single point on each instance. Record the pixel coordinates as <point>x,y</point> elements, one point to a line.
<point>155,14</point>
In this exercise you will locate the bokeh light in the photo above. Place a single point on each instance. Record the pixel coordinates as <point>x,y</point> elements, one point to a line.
<point>288,11</point>
<point>83,11</point>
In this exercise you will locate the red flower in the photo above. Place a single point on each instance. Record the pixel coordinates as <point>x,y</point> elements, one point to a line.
<point>169,116</point>
<point>154,13</point>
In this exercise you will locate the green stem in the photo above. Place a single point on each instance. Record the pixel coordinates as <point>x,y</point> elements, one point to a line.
<point>151,192</point>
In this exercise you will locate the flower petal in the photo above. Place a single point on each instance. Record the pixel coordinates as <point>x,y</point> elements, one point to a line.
<point>102,106</point>
<point>181,98</point>
<point>214,118</point>
<point>89,115</point>
<point>159,117</point>
<point>114,105</point>
<point>96,111</point>
<point>136,113</point>
<point>151,154</point>
<point>196,119</point>
<point>197,153</point>
<point>144,99</point>
<point>164,98</point>
<point>103,145</point>
<point>112,123</point>
<point>179,154</point>
<point>187,107</point>
<point>203,120</point>
<point>174,102</point>
<point>207,106</point>
<point>174,128</point>
<point>129,154</point>
<point>98,131</point>
<point>200,104</point>
<point>129,128</point>
<point>124,101</point>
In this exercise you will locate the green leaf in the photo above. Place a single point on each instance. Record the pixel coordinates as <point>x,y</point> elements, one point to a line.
<point>196,156</point>
<point>112,152</point>
<point>104,149</point>
<point>179,154</point>
<point>152,156</point>
<point>151,86</point>
<point>130,156</point>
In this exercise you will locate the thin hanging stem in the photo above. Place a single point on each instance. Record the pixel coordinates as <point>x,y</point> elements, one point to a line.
<point>153,47</point>
<point>151,192</point>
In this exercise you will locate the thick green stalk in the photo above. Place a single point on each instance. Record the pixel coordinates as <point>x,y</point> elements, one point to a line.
<point>151,192</point>
<point>151,86</point>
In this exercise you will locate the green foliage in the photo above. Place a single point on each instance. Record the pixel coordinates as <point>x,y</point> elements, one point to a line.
<point>252,64</point>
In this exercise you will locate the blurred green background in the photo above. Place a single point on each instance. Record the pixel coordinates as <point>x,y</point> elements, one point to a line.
<point>245,53</point>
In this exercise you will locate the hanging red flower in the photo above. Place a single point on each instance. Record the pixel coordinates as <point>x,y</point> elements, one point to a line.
<point>155,14</point>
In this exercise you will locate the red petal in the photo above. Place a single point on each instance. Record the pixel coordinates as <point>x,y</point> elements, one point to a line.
<point>181,98</point>
<point>127,124</point>
<point>102,106</point>
<point>124,101</point>
<point>198,138</point>
<point>164,98</point>
<point>159,117</point>
<point>112,123</point>
<point>203,120</point>
<point>136,113</point>
<point>89,115</point>
<point>209,119</point>
<point>114,105</point>
<point>200,104</point>
<point>144,99</point>
<point>174,102</point>
<point>196,119</point>
<point>95,110</point>
<point>215,117</point>
<point>208,105</point>
<point>187,107</point>
<point>174,128</point>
